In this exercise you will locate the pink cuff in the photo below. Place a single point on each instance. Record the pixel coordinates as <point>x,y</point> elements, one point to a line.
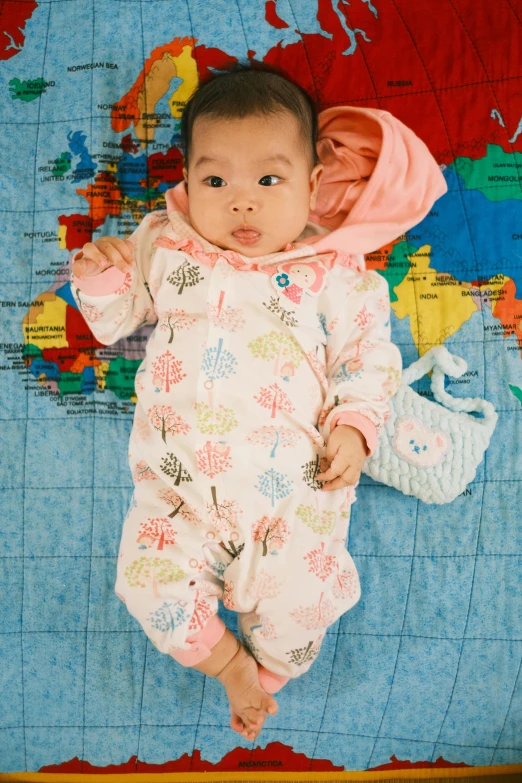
<point>106,282</point>
<point>201,643</point>
<point>361,423</point>
<point>270,682</point>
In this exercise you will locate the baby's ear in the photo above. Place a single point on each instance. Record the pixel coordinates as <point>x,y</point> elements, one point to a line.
<point>315,178</point>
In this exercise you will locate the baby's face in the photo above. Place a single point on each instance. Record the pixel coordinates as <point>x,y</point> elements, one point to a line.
<point>252,172</point>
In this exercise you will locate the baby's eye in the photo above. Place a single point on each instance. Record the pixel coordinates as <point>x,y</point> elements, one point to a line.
<point>215,184</point>
<point>269,176</point>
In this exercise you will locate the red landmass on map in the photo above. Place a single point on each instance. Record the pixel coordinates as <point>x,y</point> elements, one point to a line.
<point>168,167</point>
<point>13,16</point>
<point>128,145</point>
<point>78,335</point>
<point>275,757</point>
<point>396,763</point>
<point>388,72</point>
<point>272,17</point>
<point>78,229</point>
<point>210,57</point>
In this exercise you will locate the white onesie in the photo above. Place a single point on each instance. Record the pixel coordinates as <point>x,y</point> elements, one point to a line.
<point>251,363</point>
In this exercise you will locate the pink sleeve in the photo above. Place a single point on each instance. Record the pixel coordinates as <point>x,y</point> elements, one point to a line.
<point>361,423</point>
<point>106,282</point>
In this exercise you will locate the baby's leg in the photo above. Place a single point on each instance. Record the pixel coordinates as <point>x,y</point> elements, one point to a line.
<point>235,668</point>
<point>298,603</point>
<point>161,582</point>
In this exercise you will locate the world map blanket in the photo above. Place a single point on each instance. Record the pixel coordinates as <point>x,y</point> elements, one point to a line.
<point>426,669</point>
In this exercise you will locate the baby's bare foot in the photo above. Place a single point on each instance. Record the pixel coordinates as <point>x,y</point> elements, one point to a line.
<point>249,703</point>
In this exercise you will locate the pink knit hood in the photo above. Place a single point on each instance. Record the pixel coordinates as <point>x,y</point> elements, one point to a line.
<point>379,180</point>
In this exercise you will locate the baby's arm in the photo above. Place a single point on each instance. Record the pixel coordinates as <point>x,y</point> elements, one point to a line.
<point>109,282</point>
<point>363,370</point>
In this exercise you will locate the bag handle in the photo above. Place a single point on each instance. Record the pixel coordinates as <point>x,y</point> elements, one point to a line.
<point>442,362</point>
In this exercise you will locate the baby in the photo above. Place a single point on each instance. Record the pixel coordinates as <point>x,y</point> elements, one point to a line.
<point>265,384</point>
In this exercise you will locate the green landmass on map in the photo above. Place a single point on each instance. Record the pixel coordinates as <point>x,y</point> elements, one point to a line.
<point>497,174</point>
<point>398,266</point>
<point>120,377</point>
<point>30,352</point>
<point>62,164</point>
<point>28,90</point>
<point>517,392</point>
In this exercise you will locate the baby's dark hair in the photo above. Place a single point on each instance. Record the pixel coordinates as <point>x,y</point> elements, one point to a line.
<point>244,91</point>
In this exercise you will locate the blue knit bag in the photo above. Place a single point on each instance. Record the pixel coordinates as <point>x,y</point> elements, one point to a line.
<point>430,450</point>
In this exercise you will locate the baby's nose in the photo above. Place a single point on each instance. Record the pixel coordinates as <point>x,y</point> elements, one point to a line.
<point>243,206</point>
<point>243,202</point>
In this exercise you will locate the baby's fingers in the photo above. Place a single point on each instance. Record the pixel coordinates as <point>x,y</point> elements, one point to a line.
<point>118,252</point>
<point>87,265</point>
<point>337,467</point>
<point>348,479</point>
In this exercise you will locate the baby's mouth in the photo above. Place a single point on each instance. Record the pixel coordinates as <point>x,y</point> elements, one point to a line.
<point>247,236</point>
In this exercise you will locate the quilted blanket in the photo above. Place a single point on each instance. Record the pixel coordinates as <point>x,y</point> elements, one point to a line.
<point>426,669</point>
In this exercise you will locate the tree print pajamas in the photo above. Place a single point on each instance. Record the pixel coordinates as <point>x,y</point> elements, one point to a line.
<point>251,363</point>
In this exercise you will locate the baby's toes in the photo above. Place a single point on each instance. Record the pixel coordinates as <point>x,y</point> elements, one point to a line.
<point>253,719</point>
<point>237,724</point>
<point>265,703</point>
<point>249,729</point>
<point>268,704</point>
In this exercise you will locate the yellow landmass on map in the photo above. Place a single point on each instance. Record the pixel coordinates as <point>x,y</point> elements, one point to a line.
<point>186,67</point>
<point>62,236</point>
<point>47,330</point>
<point>100,372</point>
<point>436,303</point>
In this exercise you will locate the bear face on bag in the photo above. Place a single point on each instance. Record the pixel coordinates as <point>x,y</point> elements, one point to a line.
<point>420,445</point>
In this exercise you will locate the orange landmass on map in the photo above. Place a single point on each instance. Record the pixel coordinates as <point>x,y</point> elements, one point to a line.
<point>104,197</point>
<point>68,359</point>
<point>180,57</point>
<point>151,85</point>
<point>508,310</point>
<point>378,260</point>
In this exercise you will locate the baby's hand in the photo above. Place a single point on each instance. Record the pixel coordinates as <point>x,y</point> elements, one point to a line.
<point>346,452</point>
<point>100,255</point>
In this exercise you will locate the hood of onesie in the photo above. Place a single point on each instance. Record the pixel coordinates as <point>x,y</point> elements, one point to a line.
<point>379,180</point>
